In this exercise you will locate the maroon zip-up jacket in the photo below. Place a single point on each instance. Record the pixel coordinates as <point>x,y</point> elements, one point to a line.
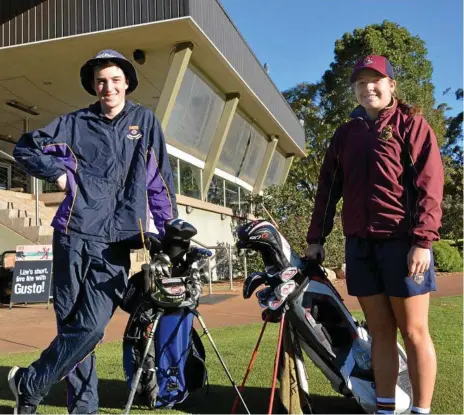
<point>390,174</point>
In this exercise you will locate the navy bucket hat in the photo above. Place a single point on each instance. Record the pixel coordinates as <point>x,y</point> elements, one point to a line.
<point>105,56</point>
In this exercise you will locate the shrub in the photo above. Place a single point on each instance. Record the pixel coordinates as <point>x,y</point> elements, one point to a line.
<point>447,257</point>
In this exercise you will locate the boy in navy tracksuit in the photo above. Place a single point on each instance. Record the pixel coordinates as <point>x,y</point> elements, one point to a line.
<point>111,161</point>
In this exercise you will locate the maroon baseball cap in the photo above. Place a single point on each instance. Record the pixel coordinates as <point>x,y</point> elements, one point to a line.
<point>376,63</point>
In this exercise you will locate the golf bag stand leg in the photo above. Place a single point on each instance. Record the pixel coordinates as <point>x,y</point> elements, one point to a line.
<point>206,331</point>
<point>250,365</point>
<point>138,374</point>
<point>276,363</point>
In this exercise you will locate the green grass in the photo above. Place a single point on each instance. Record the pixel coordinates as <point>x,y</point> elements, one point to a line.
<point>235,345</point>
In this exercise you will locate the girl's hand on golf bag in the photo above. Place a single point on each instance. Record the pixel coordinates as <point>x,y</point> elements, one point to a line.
<point>315,252</point>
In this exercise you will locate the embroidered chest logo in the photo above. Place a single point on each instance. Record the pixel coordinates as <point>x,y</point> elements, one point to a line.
<point>134,132</point>
<point>386,133</point>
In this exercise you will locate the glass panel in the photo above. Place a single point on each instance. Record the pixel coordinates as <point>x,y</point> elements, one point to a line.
<point>244,205</point>
<point>190,179</point>
<point>253,157</point>
<point>216,191</point>
<point>231,195</point>
<point>194,117</point>
<point>175,173</point>
<point>5,177</point>
<point>275,170</point>
<point>235,146</point>
<point>48,187</point>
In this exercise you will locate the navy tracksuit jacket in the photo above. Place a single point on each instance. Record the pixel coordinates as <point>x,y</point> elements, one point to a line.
<point>118,174</point>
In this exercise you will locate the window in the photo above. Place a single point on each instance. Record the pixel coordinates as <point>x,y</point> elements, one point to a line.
<point>235,146</point>
<point>275,170</point>
<point>175,172</point>
<point>232,195</point>
<point>253,157</point>
<point>194,117</point>
<point>190,180</point>
<point>216,191</point>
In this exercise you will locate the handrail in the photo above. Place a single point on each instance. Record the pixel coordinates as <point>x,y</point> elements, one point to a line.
<point>9,157</point>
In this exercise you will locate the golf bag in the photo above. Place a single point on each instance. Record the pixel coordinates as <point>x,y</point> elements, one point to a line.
<point>175,364</point>
<point>322,325</point>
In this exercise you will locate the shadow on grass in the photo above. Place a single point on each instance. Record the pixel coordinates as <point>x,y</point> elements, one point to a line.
<point>210,400</point>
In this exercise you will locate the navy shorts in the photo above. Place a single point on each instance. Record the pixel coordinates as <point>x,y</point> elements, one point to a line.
<point>376,266</point>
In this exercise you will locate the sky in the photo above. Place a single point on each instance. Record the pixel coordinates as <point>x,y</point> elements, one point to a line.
<point>296,38</point>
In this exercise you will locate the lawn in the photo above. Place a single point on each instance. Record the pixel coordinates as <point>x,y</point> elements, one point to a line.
<point>236,345</point>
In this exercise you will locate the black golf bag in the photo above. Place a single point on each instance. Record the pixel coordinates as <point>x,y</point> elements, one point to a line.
<point>322,325</point>
<point>175,364</point>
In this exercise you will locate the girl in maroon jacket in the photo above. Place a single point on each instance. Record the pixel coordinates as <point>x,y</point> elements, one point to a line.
<point>385,163</point>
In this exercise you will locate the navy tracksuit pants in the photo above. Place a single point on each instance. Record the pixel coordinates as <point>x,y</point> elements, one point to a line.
<point>89,279</point>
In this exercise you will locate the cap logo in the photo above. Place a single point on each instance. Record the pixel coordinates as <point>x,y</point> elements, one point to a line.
<point>368,61</point>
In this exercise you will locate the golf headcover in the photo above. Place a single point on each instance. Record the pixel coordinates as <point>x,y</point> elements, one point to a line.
<point>176,241</point>
<point>252,282</point>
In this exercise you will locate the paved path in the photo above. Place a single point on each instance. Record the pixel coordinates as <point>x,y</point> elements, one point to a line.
<point>31,328</point>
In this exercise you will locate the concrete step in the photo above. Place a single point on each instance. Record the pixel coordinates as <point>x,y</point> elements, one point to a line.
<point>18,212</point>
<point>28,207</point>
<point>6,194</point>
<point>45,239</point>
<point>38,234</point>
<point>6,215</point>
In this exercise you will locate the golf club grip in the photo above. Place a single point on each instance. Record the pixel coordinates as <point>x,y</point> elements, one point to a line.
<point>146,278</point>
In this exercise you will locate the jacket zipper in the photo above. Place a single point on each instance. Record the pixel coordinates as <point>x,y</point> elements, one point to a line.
<point>117,154</point>
<point>367,210</point>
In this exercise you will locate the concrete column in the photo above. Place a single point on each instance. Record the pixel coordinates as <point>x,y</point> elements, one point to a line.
<point>262,173</point>
<point>173,82</point>
<point>286,169</point>
<point>218,141</point>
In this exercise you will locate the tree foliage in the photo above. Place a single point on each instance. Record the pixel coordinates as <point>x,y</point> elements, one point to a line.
<point>452,156</point>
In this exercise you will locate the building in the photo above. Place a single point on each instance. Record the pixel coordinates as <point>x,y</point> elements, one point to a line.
<point>229,130</point>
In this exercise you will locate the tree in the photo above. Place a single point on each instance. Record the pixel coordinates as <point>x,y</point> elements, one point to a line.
<point>452,156</point>
<point>305,101</point>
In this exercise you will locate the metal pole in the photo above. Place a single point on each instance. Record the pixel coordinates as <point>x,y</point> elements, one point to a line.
<point>36,186</point>
<point>210,277</point>
<point>206,332</point>
<point>35,181</point>
<point>245,266</point>
<point>229,247</point>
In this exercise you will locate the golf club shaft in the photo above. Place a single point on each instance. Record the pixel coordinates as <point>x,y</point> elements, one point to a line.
<point>276,363</point>
<point>136,380</point>
<point>250,365</point>
<point>205,330</point>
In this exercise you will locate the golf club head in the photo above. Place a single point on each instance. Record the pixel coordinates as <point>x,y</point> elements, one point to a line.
<point>275,303</point>
<point>284,290</point>
<point>196,253</point>
<point>263,296</point>
<point>252,282</point>
<point>288,274</point>
<point>272,271</point>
